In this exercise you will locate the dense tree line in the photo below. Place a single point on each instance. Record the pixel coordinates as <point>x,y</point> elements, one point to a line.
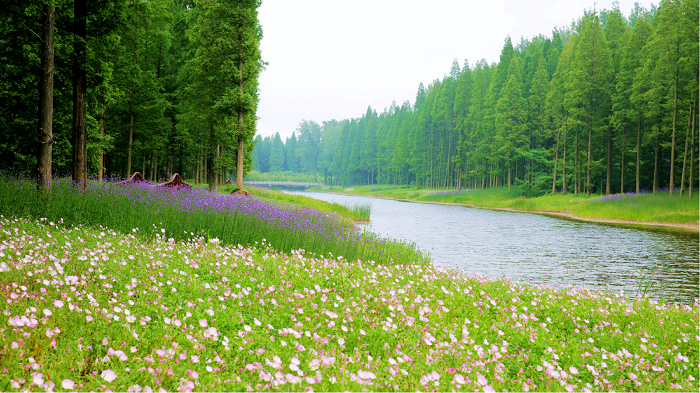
<point>108,87</point>
<point>607,105</point>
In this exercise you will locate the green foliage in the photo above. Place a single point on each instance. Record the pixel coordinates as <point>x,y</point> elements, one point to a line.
<point>599,78</point>
<point>290,176</point>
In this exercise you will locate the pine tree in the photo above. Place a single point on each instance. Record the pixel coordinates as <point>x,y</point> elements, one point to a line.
<point>277,154</point>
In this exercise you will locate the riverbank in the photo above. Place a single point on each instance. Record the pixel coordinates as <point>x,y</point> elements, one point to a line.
<point>129,314</point>
<point>657,210</point>
<point>356,213</point>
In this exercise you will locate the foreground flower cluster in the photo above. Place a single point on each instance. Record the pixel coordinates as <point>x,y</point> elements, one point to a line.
<point>92,309</point>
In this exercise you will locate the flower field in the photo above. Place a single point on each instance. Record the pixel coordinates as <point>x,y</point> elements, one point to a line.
<point>96,309</point>
<point>186,213</point>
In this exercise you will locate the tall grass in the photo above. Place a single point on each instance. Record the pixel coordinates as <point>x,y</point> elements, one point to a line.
<point>357,212</point>
<point>180,214</point>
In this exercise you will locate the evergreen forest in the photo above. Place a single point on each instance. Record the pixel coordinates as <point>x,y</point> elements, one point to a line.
<point>606,105</point>
<point>104,88</point>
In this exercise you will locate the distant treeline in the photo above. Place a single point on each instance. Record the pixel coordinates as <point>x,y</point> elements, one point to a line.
<point>606,105</point>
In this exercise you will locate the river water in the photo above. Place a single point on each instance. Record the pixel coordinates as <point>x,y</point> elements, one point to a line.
<point>541,249</point>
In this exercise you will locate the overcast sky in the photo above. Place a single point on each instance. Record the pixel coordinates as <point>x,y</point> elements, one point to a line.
<point>330,59</point>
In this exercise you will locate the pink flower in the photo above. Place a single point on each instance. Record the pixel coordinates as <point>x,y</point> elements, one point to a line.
<point>105,341</point>
<point>573,370</point>
<point>38,379</point>
<point>89,318</point>
<point>341,341</point>
<point>459,379</point>
<point>489,389</point>
<point>632,376</point>
<point>192,374</point>
<point>47,312</point>
<point>108,375</point>
<point>481,379</point>
<point>68,384</point>
<point>58,303</point>
<point>203,322</point>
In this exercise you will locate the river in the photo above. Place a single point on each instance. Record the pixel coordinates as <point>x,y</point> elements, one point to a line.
<point>540,249</point>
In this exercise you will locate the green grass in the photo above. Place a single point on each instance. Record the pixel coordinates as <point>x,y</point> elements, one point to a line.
<point>97,310</point>
<point>357,212</point>
<point>659,207</point>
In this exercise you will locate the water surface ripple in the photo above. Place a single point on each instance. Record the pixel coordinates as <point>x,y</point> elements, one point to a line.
<point>540,249</point>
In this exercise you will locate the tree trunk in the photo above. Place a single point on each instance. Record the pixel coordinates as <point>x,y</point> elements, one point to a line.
<point>588,168</point>
<point>685,152</point>
<point>143,164</point>
<point>241,137</point>
<point>639,149</point>
<point>131,108</point>
<point>656,168</point>
<point>609,166</point>
<point>673,133</point>
<point>563,166</point>
<point>509,165</point>
<point>622,162</point>
<point>79,91</point>
<point>152,171</point>
<point>556,158</point>
<point>691,185</point>
<point>576,169</point>
<point>155,166</point>
<point>197,170</point>
<point>100,170</point>
<point>45,131</point>
<point>211,178</point>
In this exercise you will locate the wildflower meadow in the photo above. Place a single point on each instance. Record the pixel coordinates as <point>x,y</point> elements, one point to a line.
<point>93,309</point>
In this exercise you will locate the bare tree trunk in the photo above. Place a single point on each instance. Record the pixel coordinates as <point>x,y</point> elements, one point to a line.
<point>143,164</point>
<point>556,158</point>
<point>79,92</point>
<point>685,152</point>
<point>45,131</point>
<point>155,165</point>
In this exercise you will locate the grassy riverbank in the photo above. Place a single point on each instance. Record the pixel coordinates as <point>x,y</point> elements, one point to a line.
<point>94,309</point>
<point>645,207</point>
<point>184,213</point>
<point>356,212</point>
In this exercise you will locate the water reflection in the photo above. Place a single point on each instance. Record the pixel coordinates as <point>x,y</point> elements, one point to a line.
<point>540,249</point>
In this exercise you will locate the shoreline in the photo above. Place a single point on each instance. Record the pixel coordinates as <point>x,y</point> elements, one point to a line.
<point>690,227</point>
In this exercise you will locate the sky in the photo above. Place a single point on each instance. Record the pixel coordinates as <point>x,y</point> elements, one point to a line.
<point>331,59</point>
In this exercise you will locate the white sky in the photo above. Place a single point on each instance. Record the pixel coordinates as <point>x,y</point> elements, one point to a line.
<point>330,59</point>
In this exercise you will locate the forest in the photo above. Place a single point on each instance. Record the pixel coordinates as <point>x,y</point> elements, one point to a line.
<point>104,88</point>
<point>606,105</point>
